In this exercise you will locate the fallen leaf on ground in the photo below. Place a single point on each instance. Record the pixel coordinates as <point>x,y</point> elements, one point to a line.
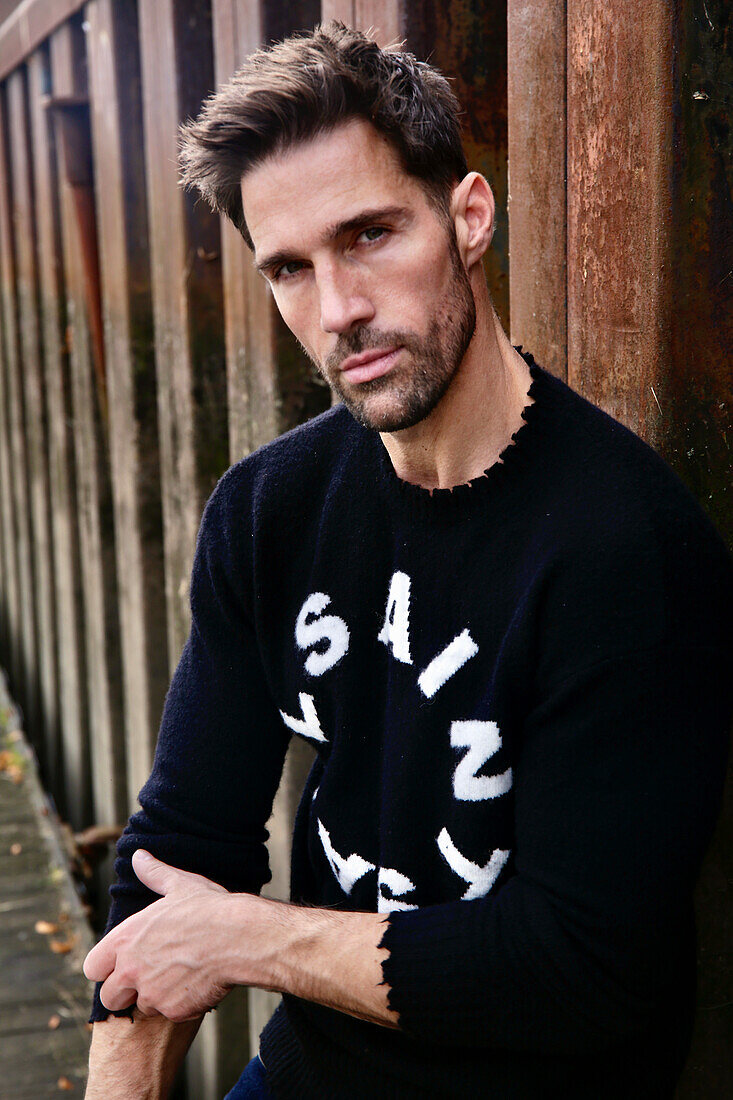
<point>16,849</point>
<point>64,1084</point>
<point>61,947</point>
<point>46,927</point>
<point>54,1022</point>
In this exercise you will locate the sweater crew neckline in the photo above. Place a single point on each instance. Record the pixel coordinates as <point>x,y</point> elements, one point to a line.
<point>460,499</point>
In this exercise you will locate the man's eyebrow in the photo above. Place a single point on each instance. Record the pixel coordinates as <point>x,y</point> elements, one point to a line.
<point>365,219</point>
<point>347,225</point>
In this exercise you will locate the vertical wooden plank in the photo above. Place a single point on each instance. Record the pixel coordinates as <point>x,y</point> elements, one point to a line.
<point>344,10</point>
<point>225,1039</point>
<point>27,679</point>
<point>382,18</point>
<point>177,72</point>
<point>117,132</point>
<point>248,309</point>
<point>185,249</point>
<point>24,224</point>
<point>619,204</point>
<point>96,525</point>
<point>5,581</point>
<point>537,190</point>
<point>10,608</point>
<point>72,692</point>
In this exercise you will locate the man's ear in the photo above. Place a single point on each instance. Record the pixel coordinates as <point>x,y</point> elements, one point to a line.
<point>472,210</point>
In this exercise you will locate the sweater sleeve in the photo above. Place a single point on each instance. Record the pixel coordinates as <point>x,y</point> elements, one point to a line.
<point>617,790</point>
<point>221,743</point>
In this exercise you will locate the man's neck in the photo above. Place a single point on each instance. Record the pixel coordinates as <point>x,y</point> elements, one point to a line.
<point>477,416</point>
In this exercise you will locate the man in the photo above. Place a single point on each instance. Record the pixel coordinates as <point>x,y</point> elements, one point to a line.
<point>494,611</point>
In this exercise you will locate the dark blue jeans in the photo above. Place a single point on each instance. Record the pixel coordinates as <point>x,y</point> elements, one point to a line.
<point>252,1085</point>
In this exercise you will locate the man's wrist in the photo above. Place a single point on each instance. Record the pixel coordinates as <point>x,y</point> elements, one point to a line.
<point>259,938</point>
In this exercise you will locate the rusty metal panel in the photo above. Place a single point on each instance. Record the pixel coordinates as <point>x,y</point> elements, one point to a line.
<point>116,122</point>
<point>26,687</point>
<point>536,79</point>
<point>696,435</point>
<point>95,515</point>
<point>619,204</point>
<point>177,72</point>
<point>24,224</point>
<point>467,40</point>
<point>73,711</point>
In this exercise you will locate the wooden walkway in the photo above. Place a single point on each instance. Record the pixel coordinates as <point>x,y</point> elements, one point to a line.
<point>44,935</point>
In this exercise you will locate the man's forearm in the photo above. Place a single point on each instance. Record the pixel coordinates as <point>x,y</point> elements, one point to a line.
<point>137,1060</point>
<point>321,955</point>
<point>180,955</point>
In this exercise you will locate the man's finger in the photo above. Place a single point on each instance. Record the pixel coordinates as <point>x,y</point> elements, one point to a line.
<point>116,999</point>
<point>100,962</point>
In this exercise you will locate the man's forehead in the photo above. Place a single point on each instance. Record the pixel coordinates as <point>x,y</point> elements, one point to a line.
<point>331,178</point>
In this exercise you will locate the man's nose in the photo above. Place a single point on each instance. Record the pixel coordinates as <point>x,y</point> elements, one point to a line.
<point>344,302</point>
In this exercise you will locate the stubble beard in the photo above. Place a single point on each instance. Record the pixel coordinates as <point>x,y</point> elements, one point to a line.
<point>417,385</point>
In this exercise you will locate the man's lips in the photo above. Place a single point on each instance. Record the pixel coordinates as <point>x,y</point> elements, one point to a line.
<point>369,364</point>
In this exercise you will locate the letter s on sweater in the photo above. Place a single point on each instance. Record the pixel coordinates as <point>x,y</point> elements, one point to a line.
<point>312,626</point>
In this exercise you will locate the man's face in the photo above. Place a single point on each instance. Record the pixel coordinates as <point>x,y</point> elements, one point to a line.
<point>363,271</point>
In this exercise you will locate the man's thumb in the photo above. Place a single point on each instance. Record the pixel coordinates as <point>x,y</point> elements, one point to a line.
<point>152,872</point>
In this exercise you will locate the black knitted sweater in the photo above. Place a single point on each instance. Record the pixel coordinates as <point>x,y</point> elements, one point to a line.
<point>519,692</point>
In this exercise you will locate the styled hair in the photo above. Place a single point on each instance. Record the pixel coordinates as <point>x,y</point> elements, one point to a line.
<point>306,85</point>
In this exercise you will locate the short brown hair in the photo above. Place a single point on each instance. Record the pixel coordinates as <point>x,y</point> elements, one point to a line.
<point>307,84</point>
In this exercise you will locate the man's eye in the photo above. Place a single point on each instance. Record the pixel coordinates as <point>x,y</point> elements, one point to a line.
<point>374,232</point>
<point>292,267</point>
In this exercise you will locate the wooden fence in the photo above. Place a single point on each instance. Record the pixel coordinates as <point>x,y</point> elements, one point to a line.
<point>140,355</point>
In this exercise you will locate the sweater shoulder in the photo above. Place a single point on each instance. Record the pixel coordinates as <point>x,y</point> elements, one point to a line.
<point>633,550</point>
<point>613,484</point>
<point>289,468</point>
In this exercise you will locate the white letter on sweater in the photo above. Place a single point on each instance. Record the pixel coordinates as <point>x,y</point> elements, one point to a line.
<point>479,879</point>
<point>395,631</point>
<point>447,663</point>
<point>308,725</point>
<point>347,871</point>
<point>397,884</point>
<point>312,627</point>
<point>482,739</point>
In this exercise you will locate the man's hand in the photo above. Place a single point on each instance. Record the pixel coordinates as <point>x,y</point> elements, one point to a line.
<point>181,955</point>
<point>165,957</point>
